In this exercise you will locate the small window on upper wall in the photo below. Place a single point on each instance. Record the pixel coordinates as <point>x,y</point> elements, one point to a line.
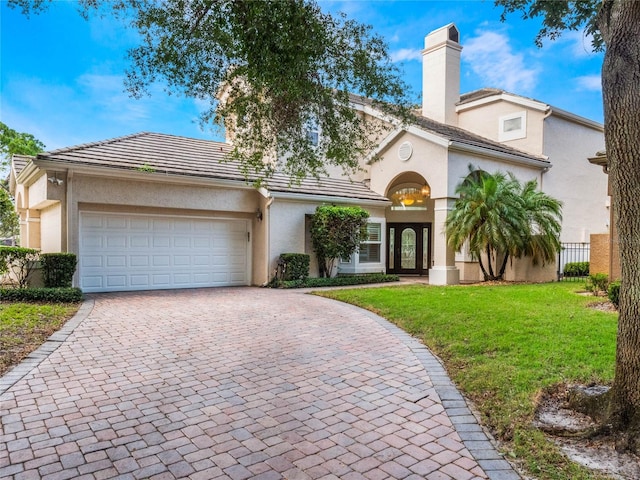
<point>313,132</point>
<point>512,126</point>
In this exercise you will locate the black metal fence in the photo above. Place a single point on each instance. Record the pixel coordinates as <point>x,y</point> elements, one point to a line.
<point>573,253</point>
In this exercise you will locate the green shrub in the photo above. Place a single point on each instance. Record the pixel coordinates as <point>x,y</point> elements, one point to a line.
<point>614,293</point>
<point>51,295</point>
<point>58,269</point>
<point>576,269</point>
<point>597,283</point>
<point>18,262</point>
<point>295,266</point>
<point>339,281</point>
<point>336,232</point>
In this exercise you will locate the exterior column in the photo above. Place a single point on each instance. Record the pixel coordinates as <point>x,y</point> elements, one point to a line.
<point>30,234</point>
<point>444,270</point>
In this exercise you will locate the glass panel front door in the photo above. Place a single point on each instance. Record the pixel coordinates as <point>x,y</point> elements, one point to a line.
<point>409,248</point>
<point>390,256</point>
<point>408,259</point>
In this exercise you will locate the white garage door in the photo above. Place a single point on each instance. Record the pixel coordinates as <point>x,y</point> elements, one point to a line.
<point>147,252</point>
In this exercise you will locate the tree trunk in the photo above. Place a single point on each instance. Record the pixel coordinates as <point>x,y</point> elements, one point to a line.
<point>492,275</point>
<point>503,266</point>
<point>484,270</point>
<point>619,23</point>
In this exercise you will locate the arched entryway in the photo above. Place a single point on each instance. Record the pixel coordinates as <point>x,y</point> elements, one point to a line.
<point>409,226</point>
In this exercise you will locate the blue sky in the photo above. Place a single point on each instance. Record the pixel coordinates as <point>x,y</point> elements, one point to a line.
<point>61,77</point>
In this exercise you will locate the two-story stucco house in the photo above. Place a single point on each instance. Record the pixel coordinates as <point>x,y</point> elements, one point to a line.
<point>156,211</point>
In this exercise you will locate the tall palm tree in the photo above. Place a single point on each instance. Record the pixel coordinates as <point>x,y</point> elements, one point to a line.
<point>500,219</point>
<point>544,214</point>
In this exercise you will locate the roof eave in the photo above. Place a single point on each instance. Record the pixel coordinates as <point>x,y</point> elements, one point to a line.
<point>601,160</point>
<point>29,174</point>
<point>572,117</point>
<point>412,129</point>
<point>117,172</point>
<point>504,96</point>
<point>327,198</point>
<point>511,158</point>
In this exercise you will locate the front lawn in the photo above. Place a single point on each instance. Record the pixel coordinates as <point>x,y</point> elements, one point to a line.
<point>503,345</point>
<point>25,326</point>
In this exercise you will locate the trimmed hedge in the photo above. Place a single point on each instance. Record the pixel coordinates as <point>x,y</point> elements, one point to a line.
<point>339,281</point>
<point>295,266</point>
<point>58,269</point>
<point>576,269</point>
<point>50,295</point>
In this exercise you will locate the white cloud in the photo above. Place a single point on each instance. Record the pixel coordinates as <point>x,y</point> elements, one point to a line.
<point>106,93</point>
<point>491,58</point>
<point>405,54</point>
<point>590,82</point>
<point>580,45</point>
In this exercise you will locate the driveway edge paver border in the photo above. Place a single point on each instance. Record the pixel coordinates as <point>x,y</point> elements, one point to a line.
<point>481,445</point>
<point>32,360</point>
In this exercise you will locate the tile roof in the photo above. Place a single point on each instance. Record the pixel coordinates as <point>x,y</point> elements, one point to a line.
<point>481,93</point>
<point>464,136</point>
<point>189,157</point>
<point>456,134</point>
<point>19,162</point>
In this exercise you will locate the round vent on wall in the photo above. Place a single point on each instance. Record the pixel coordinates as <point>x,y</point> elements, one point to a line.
<point>405,151</point>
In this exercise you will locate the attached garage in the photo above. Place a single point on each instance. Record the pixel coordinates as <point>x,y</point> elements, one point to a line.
<point>119,252</point>
<point>151,211</point>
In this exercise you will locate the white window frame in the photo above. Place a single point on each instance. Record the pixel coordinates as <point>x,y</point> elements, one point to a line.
<point>375,242</point>
<point>312,131</point>
<point>505,136</point>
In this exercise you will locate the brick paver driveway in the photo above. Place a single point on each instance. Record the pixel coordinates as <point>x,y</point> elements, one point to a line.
<point>237,383</point>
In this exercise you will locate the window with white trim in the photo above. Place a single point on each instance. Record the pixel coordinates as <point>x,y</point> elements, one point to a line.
<point>312,128</point>
<point>369,251</point>
<point>512,126</point>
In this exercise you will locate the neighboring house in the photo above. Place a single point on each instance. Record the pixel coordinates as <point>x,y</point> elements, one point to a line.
<point>157,211</point>
<point>605,249</point>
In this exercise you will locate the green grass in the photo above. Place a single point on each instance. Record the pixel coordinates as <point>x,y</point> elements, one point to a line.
<point>503,345</point>
<point>25,326</point>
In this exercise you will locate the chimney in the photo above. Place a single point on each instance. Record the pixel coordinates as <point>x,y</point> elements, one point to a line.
<point>441,74</point>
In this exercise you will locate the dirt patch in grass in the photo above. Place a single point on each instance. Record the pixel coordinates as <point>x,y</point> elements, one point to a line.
<point>566,428</point>
<point>603,306</point>
<point>24,327</point>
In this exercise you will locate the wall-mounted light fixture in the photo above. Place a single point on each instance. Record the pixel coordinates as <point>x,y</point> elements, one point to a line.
<point>259,214</point>
<point>55,179</point>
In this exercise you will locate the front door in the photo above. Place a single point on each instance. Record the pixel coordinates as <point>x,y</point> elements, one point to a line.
<point>409,248</point>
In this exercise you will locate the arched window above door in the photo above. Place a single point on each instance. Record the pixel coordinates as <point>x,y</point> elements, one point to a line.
<point>410,197</point>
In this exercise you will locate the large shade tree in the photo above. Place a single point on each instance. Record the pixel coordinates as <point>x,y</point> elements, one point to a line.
<point>12,143</point>
<point>499,218</point>
<point>280,68</point>
<point>615,27</point>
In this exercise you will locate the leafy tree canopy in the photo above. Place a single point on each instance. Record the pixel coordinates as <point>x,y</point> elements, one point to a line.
<point>559,16</point>
<point>278,68</point>
<point>15,143</point>
<point>9,222</point>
